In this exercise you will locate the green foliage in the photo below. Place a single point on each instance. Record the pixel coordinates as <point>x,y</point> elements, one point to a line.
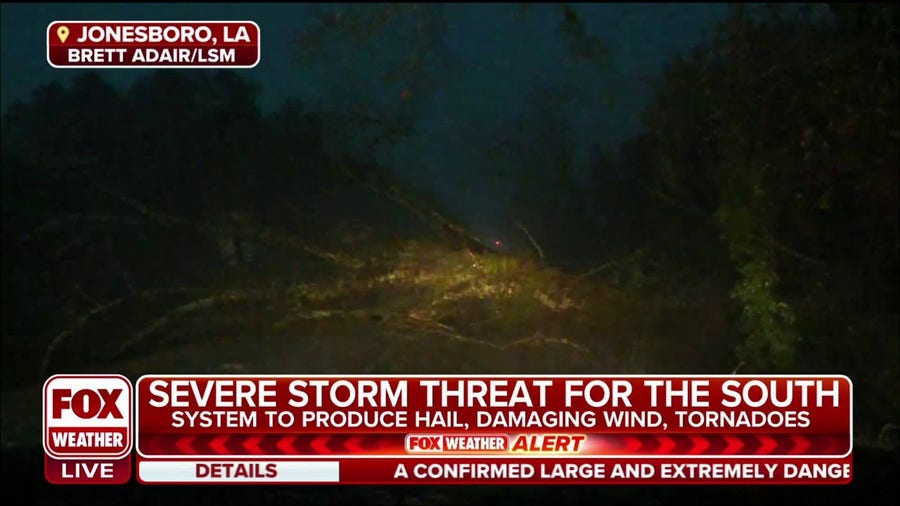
<point>765,130</point>
<point>778,140</point>
<point>768,322</point>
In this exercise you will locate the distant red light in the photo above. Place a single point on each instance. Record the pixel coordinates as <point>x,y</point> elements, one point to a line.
<point>498,243</point>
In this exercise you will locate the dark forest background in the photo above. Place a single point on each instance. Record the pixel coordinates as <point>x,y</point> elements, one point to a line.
<point>751,227</point>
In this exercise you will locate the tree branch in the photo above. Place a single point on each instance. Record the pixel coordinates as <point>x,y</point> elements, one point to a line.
<point>270,235</point>
<point>101,310</point>
<point>430,217</point>
<point>534,243</point>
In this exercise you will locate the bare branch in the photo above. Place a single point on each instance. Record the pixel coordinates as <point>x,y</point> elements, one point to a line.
<point>269,235</point>
<point>430,217</point>
<point>195,306</point>
<point>534,243</point>
<point>101,310</point>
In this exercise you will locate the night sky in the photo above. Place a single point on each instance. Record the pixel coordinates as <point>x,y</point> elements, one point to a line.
<point>495,61</point>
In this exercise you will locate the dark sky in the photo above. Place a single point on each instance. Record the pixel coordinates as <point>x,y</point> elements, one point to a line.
<point>496,62</point>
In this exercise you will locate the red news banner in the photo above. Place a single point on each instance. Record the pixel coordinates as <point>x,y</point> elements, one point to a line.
<point>153,44</point>
<point>494,430</point>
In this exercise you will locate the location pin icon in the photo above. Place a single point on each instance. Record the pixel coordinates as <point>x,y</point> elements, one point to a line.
<point>63,33</point>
